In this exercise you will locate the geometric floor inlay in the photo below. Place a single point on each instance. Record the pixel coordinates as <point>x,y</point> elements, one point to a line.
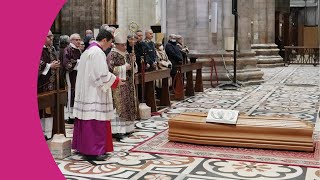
<point>287,92</point>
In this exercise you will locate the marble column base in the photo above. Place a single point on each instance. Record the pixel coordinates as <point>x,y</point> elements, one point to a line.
<point>59,146</point>
<point>247,71</point>
<point>267,55</point>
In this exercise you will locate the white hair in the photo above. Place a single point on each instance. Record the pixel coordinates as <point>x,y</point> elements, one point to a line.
<point>111,29</point>
<point>172,36</point>
<point>104,26</point>
<point>147,31</point>
<point>73,36</point>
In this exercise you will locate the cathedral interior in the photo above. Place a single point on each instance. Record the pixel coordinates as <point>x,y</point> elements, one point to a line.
<point>269,49</point>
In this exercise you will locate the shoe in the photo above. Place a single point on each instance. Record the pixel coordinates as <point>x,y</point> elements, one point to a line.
<point>76,153</point>
<point>101,157</point>
<point>96,158</point>
<point>118,136</point>
<point>90,157</point>
<point>129,133</point>
<point>70,121</point>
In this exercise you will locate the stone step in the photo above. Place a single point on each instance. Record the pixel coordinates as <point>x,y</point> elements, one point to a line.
<point>270,65</point>
<point>269,60</point>
<point>264,46</point>
<point>266,52</point>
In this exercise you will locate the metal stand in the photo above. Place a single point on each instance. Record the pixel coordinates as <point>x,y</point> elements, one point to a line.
<point>233,85</point>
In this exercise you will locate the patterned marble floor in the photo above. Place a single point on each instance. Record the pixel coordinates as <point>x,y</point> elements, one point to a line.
<point>287,92</point>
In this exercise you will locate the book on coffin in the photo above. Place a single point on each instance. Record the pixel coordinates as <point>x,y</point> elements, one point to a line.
<point>223,116</point>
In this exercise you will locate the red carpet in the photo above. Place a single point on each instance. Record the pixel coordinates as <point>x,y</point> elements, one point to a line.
<point>159,144</point>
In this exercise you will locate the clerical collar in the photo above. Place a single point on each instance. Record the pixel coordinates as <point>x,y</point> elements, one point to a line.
<point>74,46</point>
<point>95,43</point>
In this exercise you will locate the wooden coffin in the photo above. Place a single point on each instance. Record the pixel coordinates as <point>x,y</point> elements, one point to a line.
<point>250,131</point>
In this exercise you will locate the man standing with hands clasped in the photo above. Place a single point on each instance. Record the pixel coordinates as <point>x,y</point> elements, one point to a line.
<point>47,80</point>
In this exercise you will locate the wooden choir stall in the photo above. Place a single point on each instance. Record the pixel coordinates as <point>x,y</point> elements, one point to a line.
<point>55,100</point>
<point>149,78</point>
<point>190,88</point>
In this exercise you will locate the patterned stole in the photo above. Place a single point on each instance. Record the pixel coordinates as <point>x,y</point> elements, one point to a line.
<point>53,71</point>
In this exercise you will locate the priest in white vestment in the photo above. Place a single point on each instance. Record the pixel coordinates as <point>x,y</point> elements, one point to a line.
<point>93,106</point>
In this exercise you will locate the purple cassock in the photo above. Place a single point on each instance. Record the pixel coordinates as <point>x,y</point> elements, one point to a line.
<point>92,137</point>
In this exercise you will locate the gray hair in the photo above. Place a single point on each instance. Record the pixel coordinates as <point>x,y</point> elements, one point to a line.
<point>64,41</point>
<point>111,29</point>
<point>130,36</point>
<point>104,26</point>
<point>73,36</point>
<point>147,31</point>
<point>172,36</point>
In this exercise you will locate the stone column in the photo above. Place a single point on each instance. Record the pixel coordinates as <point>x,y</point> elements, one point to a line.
<point>263,34</point>
<point>190,19</point>
<point>142,12</point>
<point>109,11</point>
<point>247,71</point>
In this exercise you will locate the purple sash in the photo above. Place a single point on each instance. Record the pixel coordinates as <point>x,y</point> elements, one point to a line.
<point>94,44</point>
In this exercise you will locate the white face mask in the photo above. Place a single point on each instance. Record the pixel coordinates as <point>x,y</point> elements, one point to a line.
<point>173,40</point>
<point>161,48</point>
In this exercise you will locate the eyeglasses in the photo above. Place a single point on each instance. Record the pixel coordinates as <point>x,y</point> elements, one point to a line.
<point>77,39</point>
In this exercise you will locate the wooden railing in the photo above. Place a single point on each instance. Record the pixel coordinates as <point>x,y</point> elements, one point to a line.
<point>149,79</point>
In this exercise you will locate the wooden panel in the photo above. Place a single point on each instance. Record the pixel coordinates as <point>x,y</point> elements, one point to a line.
<point>310,36</point>
<point>190,67</point>
<point>242,144</point>
<point>46,100</point>
<point>152,76</point>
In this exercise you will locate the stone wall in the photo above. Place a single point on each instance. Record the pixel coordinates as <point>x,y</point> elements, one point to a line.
<point>76,18</point>
<point>142,12</point>
<point>79,15</point>
<point>263,34</point>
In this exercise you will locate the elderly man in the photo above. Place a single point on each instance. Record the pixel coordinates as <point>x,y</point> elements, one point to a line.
<point>123,97</point>
<point>93,107</point>
<point>70,61</point>
<point>48,64</point>
<point>47,78</point>
<point>150,50</point>
<point>173,53</point>
<point>138,48</point>
<point>183,48</point>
